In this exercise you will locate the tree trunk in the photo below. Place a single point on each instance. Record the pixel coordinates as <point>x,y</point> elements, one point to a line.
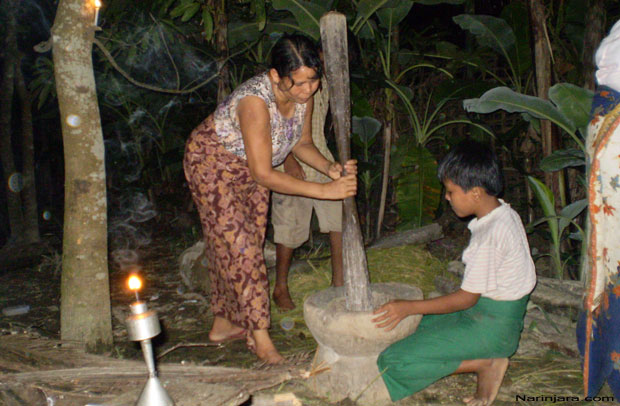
<point>220,23</point>
<point>7,87</point>
<point>29,192</point>
<point>334,38</point>
<point>85,293</point>
<point>592,37</point>
<point>550,139</point>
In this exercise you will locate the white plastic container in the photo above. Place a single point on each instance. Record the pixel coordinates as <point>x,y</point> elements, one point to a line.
<point>16,310</point>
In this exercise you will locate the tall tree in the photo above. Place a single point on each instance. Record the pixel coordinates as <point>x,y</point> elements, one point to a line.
<point>221,44</point>
<point>592,37</point>
<point>8,10</point>
<point>542,55</point>
<point>29,191</point>
<point>85,293</point>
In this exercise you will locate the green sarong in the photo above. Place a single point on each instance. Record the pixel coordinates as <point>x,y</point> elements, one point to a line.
<point>489,329</point>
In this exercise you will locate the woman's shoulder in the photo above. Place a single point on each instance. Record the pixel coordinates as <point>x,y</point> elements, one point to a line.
<point>255,86</point>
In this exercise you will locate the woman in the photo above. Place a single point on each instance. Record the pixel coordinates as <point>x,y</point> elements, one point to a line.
<point>229,160</point>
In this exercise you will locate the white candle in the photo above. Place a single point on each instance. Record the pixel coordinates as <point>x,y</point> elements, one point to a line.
<point>97,7</point>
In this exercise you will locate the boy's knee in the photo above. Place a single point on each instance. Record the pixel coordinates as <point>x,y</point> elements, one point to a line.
<point>385,359</point>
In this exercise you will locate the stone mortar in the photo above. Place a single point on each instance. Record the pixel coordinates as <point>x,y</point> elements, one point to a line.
<point>349,342</point>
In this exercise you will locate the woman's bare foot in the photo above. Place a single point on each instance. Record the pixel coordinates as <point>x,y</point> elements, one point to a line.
<point>223,329</point>
<point>490,376</point>
<point>265,350</point>
<point>282,298</point>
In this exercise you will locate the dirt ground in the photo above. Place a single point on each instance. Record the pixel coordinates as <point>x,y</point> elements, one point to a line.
<point>541,372</point>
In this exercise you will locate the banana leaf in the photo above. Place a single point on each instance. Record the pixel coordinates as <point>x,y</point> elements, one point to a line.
<point>568,214</point>
<point>240,32</point>
<point>564,158</point>
<point>490,31</point>
<point>391,16</point>
<point>365,9</point>
<point>515,13</point>
<point>307,14</point>
<point>574,102</point>
<point>258,7</point>
<point>547,203</point>
<point>503,98</point>
<point>434,2</point>
<point>418,190</point>
<point>366,129</point>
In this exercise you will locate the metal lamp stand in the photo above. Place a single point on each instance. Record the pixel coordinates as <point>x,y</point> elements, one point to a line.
<point>142,325</point>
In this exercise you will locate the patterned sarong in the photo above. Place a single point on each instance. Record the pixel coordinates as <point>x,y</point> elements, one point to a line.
<point>233,212</point>
<point>489,329</point>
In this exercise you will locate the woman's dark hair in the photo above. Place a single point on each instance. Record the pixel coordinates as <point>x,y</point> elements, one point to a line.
<point>293,51</point>
<point>471,164</point>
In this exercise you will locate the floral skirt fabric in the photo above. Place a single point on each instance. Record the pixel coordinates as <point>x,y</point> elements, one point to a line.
<point>233,212</point>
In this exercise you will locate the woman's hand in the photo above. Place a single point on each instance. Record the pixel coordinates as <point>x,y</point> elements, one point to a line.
<point>293,168</point>
<point>335,169</point>
<point>392,313</point>
<point>341,188</point>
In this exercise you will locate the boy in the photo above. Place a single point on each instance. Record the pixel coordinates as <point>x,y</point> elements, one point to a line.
<point>476,328</point>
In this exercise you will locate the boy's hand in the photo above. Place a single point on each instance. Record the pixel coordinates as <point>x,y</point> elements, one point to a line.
<point>335,169</point>
<point>392,313</point>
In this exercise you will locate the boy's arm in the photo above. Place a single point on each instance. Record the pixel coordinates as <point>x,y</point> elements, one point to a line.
<point>393,312</point>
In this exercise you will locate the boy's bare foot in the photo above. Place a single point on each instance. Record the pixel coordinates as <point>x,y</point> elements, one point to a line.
<point>265,350</point>
<point>490,377</point>
<point>283,299</point>
<point>223,330</point>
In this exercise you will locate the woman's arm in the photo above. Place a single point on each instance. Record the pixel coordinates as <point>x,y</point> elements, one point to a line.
<point>255,126</point>
<point>393,312</point>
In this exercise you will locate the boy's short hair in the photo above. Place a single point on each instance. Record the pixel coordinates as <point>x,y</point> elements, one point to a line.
<point>471,164</point>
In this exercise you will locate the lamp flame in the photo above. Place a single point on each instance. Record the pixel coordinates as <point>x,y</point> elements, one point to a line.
<point>97,3</point>
<point>134,283</point>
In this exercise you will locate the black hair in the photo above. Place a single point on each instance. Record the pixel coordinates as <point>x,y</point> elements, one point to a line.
<point>471,164</point>
<point>293,51</point>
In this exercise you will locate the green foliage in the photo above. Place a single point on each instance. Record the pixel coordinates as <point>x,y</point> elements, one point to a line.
<point>43,85</point>
<point>418,191</point>
<point>435,2</point>
<point>365,130</point>
<point>186,10</point>
<point>507,37</point>
<point>573,102</point>
<point>568,113</point>
<point>557,222</point>
<point>515,14</point>
<point>491,32</point>
<point>307,14</point>
<point>560,159</point>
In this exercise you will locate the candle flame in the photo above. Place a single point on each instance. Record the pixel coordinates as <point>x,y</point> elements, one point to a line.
<point>97,3</point>
<point>134,283</point>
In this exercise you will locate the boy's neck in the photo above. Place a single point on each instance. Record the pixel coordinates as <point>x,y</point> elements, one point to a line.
<point>487,204</point>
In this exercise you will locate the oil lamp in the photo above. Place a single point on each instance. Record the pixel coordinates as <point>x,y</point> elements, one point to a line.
<point>142,325</point>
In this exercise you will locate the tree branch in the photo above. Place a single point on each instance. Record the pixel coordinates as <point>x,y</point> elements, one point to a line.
<point>120,70</point>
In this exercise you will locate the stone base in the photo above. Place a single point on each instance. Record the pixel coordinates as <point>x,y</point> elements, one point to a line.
<point>349,343</point>
<point>356,378</point>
